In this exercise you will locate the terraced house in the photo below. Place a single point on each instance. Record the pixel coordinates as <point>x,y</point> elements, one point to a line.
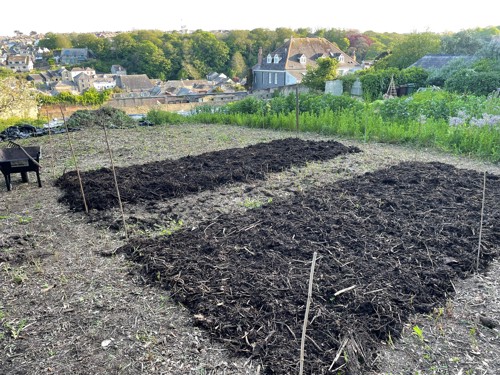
<point>20,63</point>
<point>288,64</point>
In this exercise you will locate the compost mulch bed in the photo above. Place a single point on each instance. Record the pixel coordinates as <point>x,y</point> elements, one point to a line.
<point>389,243</point>
<point>189,175</point>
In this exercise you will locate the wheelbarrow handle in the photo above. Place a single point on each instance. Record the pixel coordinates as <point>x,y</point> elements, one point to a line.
<point>28,155</point>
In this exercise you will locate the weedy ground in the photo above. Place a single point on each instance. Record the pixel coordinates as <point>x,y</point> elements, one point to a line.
<point>67,309</point>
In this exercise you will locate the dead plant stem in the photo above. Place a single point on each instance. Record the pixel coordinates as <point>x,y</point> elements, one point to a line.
<point>116,181</point>
<point>75,161</point>
<point>306,315</point>
<point>481,222</point>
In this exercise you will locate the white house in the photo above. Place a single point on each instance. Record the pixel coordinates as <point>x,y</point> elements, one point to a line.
<point>19,63</point>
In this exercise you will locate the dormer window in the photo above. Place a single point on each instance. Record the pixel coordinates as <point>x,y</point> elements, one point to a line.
<point>303,59</point>
<point>269,59</point>
<point>276,59</point>
<point>341,58</point>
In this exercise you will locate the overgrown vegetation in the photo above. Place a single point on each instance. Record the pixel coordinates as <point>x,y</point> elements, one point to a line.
<point>104,116</point>
<point>461,124</point>
<point>91,97</point>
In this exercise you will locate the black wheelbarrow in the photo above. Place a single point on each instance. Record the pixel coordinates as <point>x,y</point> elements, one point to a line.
<point>20,160</point>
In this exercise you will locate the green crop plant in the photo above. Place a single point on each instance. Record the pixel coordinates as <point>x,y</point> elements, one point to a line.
<point>418,332</point>
<point>14,329</point>
<point>24,220</point>
<point>173,226</point>
<point>253,203</point>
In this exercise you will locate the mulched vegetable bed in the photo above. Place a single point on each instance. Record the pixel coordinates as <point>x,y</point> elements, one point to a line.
<point>389,244</point>
<point>192,174</point>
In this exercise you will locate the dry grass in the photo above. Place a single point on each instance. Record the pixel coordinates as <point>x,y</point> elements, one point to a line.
<point>66,309</point>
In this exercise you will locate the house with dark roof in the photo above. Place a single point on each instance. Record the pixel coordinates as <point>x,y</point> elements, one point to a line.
<point>432,62</point>
<point>288,64</point>
<point>83,81</point>
<point>73,56</point>
<point>134,83</point>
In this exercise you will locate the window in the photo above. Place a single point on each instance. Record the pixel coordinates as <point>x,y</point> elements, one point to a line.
<point>276,59</point>
<point>270,79</point>
<point>303,59</point>
<point>341,58</point>
<point>275,78</point>
<point>269,59</point>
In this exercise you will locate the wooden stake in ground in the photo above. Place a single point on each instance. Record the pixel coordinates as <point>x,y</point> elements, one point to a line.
<point>51,147</point>
<point>481,223</point>
<point>116,180</point>
<point>297,108</point>
<point>74,161</point>
<point>306,315</point>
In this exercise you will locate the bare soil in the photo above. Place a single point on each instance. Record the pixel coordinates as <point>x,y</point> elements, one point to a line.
<point>215,281</point>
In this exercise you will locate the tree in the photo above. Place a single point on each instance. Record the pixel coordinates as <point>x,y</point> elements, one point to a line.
<point>462,43</point>
<point>359,43</point>
<point>147,58</point>
<point>238,67</point>
<point>97,45</point>
<point>55,41</point>
<point>6,72</point>
<point>209,54</point>
<point>339,37</point>
<point>326,70</point>
<point>123,45</point>
<point>17,98</point>
<point>491,50</point>
<point>284,33</point>
<point>410,49</point>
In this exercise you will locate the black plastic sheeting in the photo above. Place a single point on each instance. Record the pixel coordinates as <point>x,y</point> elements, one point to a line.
<point>27,131</point>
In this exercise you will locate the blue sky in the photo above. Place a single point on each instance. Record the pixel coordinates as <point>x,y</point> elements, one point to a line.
<point>377,15</point>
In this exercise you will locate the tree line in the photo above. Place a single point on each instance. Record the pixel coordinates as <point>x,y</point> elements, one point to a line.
<point>176,55</point>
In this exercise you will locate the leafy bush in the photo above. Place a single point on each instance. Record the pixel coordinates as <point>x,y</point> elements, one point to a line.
<point>469,81</point>
<point>376,82</point>
<point>159,117</point>
<point>104,116</point>
<point>436,105</point>
<point>438,77</point>
<point>89,97</point>
<point>249,105</point>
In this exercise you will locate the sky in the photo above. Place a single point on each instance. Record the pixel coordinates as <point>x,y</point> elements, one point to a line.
<point>63,16</point>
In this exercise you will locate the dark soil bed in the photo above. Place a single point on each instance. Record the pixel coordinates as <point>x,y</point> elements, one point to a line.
<point>192,174</point>
<point>389,244</point>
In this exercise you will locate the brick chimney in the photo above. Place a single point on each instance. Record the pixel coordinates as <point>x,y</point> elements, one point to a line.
<point>259,58</point>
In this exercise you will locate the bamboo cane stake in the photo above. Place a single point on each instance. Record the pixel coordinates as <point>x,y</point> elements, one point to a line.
<point>306,315</point>
<point>75,161</point>
<point>116,180</point>
<point>481,223</point>
<point>297,108</point>
<point>51,147</point>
